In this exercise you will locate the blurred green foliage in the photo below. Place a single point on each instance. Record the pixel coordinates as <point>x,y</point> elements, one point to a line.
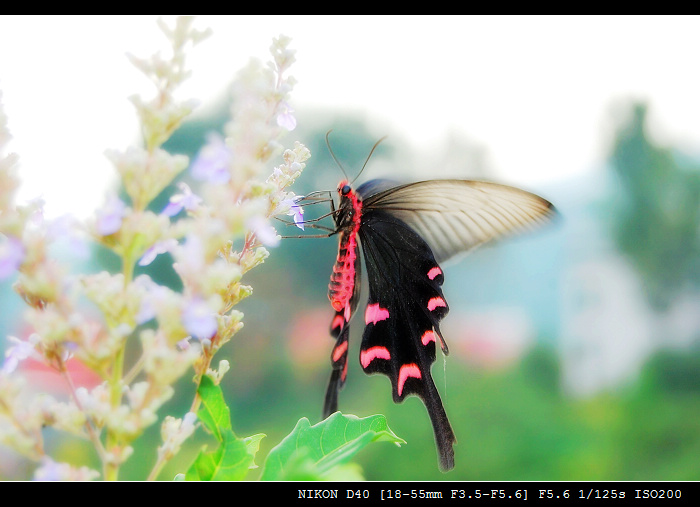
<point>512,424</point>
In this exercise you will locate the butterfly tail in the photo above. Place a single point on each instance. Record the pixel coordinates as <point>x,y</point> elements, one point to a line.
<point>444,436</point>
<point>331,404</point>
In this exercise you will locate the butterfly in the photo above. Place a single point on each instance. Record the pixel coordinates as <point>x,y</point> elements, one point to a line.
<point>404,232</point>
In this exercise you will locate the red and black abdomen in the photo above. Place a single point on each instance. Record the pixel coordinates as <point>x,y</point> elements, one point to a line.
<point>344,278</point>
<point>342,284</point>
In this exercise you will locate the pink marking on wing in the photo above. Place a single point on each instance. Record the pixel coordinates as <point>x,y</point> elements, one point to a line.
<point>375,313</point>
<point>337,322</point>
<point>434,272</point>
<point>407,370</point>
<point>428,337</point>
<point>435,302</point>
<point>372,353</point>
<point>348,313</point>
<point>339,351</point>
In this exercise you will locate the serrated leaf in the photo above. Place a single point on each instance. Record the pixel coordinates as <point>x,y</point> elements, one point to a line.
<point>326,444</point>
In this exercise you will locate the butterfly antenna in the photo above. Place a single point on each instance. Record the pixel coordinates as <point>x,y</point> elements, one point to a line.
<point>333,154</point>
<point>368,157</point>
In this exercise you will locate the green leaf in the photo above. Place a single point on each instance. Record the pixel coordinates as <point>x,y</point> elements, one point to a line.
<point>253,445</point>
<point>233,457</point>
<point>213,413</point>
<point>230,461</point>
<point>314,450</point>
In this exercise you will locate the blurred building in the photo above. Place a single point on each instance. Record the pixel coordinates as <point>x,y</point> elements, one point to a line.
<point>609,329</point>
<point>606,334</point>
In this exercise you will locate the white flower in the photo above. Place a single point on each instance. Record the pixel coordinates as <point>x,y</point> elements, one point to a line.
<point>52,471</point>
<point>175,431</point>
<point>154,298</point>
<point>263,231</point>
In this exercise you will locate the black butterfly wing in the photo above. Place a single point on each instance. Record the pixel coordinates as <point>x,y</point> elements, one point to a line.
<point>455,216</point>
<point>402,317</point>
<point>405,231</point>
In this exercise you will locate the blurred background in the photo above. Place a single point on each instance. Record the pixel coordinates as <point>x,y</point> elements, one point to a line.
<point>574,350</point>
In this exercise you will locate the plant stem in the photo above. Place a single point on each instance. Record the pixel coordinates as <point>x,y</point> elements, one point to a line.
<point>113,443</point>
<point>90,428</point>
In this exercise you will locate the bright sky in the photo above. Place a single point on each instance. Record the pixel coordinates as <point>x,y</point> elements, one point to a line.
<point>536,92</point>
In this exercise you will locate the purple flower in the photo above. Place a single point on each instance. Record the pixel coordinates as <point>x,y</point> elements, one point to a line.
<point>185,200</point>
<point>147,311</point>
<point>199,320</point>
<point>49,470</point>
<point>296,211</point>
<point>212,162</point>
<point>21,350</point>
<point>167,245</point>
<point>11,255</point>
<point>285,119</point>
<point>109,218</point>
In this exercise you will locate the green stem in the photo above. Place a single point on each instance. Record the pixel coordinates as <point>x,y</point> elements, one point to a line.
<point>111,469</point>
<point>196,402</point>
<point>113,442</point>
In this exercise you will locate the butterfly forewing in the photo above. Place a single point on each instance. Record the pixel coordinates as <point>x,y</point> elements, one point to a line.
<point>455,216</point>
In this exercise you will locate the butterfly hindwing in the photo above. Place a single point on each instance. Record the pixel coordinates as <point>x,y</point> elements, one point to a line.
<point>402,317</point>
